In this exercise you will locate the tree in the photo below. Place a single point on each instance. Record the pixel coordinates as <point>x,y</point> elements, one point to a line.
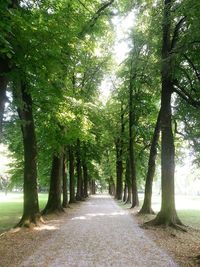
<point>31,213</point>
<point>54,203</point>
<point>146,207</point>
<point>167,214</point>
<point>71,175</point>
<point>64,183</point>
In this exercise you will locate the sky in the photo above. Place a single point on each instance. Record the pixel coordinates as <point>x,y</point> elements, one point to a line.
<point>121,48</point>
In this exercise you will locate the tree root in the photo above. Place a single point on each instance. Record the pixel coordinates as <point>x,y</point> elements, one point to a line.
<point>51,210</point>
<point>146,211</point>
<point>173,222</point>
<point>30,221</point>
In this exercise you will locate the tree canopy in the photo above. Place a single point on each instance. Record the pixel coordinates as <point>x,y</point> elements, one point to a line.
<point>54,57</point>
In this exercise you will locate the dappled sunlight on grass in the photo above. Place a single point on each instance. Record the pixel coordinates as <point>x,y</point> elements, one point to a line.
<point>10,197</point>
<point>11,207</point>
<point>188,208</point>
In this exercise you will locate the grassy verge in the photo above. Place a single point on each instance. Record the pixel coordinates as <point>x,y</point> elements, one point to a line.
<point>11,207</point>
<point>188,208</point>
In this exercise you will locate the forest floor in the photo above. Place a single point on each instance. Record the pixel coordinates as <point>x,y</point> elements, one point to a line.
<point>97,233</point>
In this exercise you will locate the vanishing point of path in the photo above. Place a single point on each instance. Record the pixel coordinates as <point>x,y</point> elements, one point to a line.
<point>96,234</point>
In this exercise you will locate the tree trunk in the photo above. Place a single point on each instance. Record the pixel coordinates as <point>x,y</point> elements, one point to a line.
<point>85,178</point>
<point>135,201</point>
<point>146,207</point>
<point>54,200</point>
<point>79,172</point>
<point>65,189</point>
<point>167,214</point>
<point>119,159</point>
<point>128,182</point>
<point>31,213</point>
<point>111,188</point>
<point>119,171</point>
<point>5,69</point>
<point>93,187</point>
<point>3,86</point>
<point>71,176</point>
<point>125,192</point>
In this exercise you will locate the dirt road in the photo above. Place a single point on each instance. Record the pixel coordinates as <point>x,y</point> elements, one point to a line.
<point>98,233</point>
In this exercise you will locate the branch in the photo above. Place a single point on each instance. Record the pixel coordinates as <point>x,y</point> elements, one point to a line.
<point>176,32</point>
<point>186,96</point>
<point>84,5</point>
<point>95,17</point>
<point>188,78</point>
<point>176,129</point>
<point>193,67</point>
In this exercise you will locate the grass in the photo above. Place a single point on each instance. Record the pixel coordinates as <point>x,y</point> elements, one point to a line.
<point>190,217</point>
<point>188,208</point>
<point>11,207</point>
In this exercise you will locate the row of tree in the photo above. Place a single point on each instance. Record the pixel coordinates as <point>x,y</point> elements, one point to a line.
<point>52,60</point>
<point>157,91</point>
<point>53,57</point>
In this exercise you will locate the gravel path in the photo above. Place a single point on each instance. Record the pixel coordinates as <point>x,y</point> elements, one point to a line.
<point>99,234</point>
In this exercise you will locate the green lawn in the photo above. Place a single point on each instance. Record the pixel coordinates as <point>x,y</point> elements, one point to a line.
<point>190,217</point>
<point>188,208</point>
<point>11,208</point>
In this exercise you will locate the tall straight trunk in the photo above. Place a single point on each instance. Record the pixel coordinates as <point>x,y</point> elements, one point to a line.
<point>64,183</point>
<point>79,171</point>
<point>167,214</point>
<point>4,69</point>
<point>111,188</point>
<point>93,187</point>
<point>119,158</point>
<point>119,170</point>
<point>128,200</point>
<point>72,198</point>
<point>54,200</point>
<point>135,201</point>
<point>146,207</point>
<point>128,182</point>
<point>85,179</point>
<point>125,192</point>
<point>3,86</point>
<point>31,212</point>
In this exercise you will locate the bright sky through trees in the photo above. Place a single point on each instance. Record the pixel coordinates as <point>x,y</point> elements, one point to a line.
<point>121,48</point>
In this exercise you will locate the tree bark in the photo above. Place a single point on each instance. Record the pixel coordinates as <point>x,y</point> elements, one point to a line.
<point>119,158</point>
<point>79,192</point>
<point>65,189</point>
<point>93,187</point>
<point>119,170</point>
<point>71,176</point>
<point>31,214</point>
<point>146,207</point>
<point>128,182</point>
<point>4,70</point>
<point>135,200</point>
<point>111,186</point>
<point>167,215</point>
<point>3,86</point>
<point>54,200</point>
<point>125,192</point>
<point>85,178</point>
